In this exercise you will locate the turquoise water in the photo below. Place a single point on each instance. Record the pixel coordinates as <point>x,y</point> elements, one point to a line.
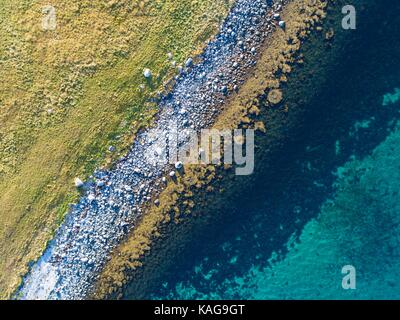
<point>358,226</point>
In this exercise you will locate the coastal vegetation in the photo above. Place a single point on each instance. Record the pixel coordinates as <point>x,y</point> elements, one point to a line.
<point>72,98</point>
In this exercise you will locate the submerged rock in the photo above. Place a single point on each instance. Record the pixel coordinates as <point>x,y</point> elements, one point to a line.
<point>275,96</point>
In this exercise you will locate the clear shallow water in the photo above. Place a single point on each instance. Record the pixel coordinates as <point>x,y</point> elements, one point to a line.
<point>359,225</point>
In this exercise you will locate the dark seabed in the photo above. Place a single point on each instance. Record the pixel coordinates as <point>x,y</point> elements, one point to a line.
<point>332,198</point>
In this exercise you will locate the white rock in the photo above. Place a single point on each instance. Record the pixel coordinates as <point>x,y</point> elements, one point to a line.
<point>159,151</point>
<point>178,165</point>
<point>147,73</point>
<point>189,62</point>
<point>100,183</point>
<point>78,183</point>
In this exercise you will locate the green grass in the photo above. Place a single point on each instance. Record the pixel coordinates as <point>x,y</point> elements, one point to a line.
<point>88,72</point>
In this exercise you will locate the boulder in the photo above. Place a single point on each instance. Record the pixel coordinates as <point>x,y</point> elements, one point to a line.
<point>147,73</point>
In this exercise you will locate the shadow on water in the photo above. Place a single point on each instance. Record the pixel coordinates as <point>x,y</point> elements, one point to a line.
<point>346,118</point>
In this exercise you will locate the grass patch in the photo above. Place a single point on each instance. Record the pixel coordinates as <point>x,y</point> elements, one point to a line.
<point>68,94</point>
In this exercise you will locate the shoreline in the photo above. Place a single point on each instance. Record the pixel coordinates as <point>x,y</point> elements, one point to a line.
<point>163,231</point>
<point>114,199</point>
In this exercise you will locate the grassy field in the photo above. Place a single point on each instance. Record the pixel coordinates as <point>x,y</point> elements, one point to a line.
<point>67,94</point>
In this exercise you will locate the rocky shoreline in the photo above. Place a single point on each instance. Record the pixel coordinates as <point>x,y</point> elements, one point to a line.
<point>114,200</point>
<point>164,230</point>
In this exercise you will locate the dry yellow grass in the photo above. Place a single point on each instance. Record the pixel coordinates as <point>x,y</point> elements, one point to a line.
<point>69,93</point>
